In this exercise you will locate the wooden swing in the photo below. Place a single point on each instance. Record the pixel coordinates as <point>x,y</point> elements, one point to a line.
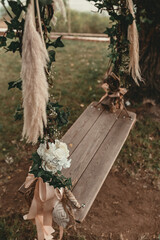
<point>94,141</point>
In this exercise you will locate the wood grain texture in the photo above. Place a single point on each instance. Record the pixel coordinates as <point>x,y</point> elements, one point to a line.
<point>81,126</point>
<point>93,177</point>
<point>87,148</point>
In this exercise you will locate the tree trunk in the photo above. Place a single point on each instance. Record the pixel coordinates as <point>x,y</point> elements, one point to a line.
<point>149,22</point>
<point>150,59</point>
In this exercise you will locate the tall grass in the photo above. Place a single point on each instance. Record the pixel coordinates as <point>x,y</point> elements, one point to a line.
<point>82,22</point>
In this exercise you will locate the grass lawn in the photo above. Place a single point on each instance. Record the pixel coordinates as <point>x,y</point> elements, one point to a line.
<point>78,73</point>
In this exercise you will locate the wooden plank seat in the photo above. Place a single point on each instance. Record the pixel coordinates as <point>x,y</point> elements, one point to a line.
<point>94,141</point>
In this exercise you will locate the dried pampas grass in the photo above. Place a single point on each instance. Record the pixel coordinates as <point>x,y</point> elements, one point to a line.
<point>134,47</point>
<point>58,6</point>
<point>34,82</point>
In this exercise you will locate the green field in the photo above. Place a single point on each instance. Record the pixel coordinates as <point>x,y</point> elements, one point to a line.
<point>82,22</point>
<point>78,73</point>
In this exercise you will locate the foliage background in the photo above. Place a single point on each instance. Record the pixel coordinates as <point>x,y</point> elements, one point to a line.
<point>82,22</point>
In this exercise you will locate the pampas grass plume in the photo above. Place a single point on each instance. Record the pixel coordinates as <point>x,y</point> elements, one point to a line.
<point>34,82</point>
<point>134,68</point>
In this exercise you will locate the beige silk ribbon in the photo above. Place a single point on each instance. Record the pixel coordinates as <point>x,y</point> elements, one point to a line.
<point>44,200</point>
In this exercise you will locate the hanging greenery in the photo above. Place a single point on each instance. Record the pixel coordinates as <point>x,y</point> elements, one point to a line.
<point>57,116</point>
<point>123,47</point>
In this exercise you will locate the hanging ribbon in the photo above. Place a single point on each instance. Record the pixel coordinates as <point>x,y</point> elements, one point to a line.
<point>134,46</point>
<point>115,96</point>
<point>45,199</point>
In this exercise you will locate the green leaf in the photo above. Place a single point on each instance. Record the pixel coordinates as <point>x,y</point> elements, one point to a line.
<point>10,34</point>
<point>16,7</point>
<point>15,84</point>
<point>3,41</point>
<point>58,42</point>
<point>62,118</point>
<point>36,158</point>
<point>45,175</point>
<point>35,166</point>
<point>18,115</point>
<point>49,28</point>
<point>34,172</point>
<point>53,106</point>
<point>14,46</point>
<point>15,23</point>
<point>40,173</point>
<point>52,55</point>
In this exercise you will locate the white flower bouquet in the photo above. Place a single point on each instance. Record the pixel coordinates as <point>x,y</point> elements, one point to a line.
<point>48,162</point>
<point>55,156</point>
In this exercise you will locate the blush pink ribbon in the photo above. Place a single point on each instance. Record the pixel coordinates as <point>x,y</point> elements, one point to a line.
<point>44,200</point>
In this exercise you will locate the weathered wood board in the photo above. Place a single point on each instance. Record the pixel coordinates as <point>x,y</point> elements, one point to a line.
<point>94,145</point>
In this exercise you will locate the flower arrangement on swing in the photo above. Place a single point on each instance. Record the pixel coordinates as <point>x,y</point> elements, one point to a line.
<point>49,186</point>
<point>48,162</point>
<point>54,156</point>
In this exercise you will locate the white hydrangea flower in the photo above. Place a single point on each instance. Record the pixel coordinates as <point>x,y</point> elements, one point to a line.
<point>63,147</point>
<point>56,157</point>
<point>65,163</point>
<point>44,153</point>
<point>49,166</point>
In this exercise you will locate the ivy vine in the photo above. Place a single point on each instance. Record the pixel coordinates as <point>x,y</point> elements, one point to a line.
<point>120,18</point>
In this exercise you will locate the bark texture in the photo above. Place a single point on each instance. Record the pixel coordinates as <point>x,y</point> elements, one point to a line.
<point>149,24</point>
